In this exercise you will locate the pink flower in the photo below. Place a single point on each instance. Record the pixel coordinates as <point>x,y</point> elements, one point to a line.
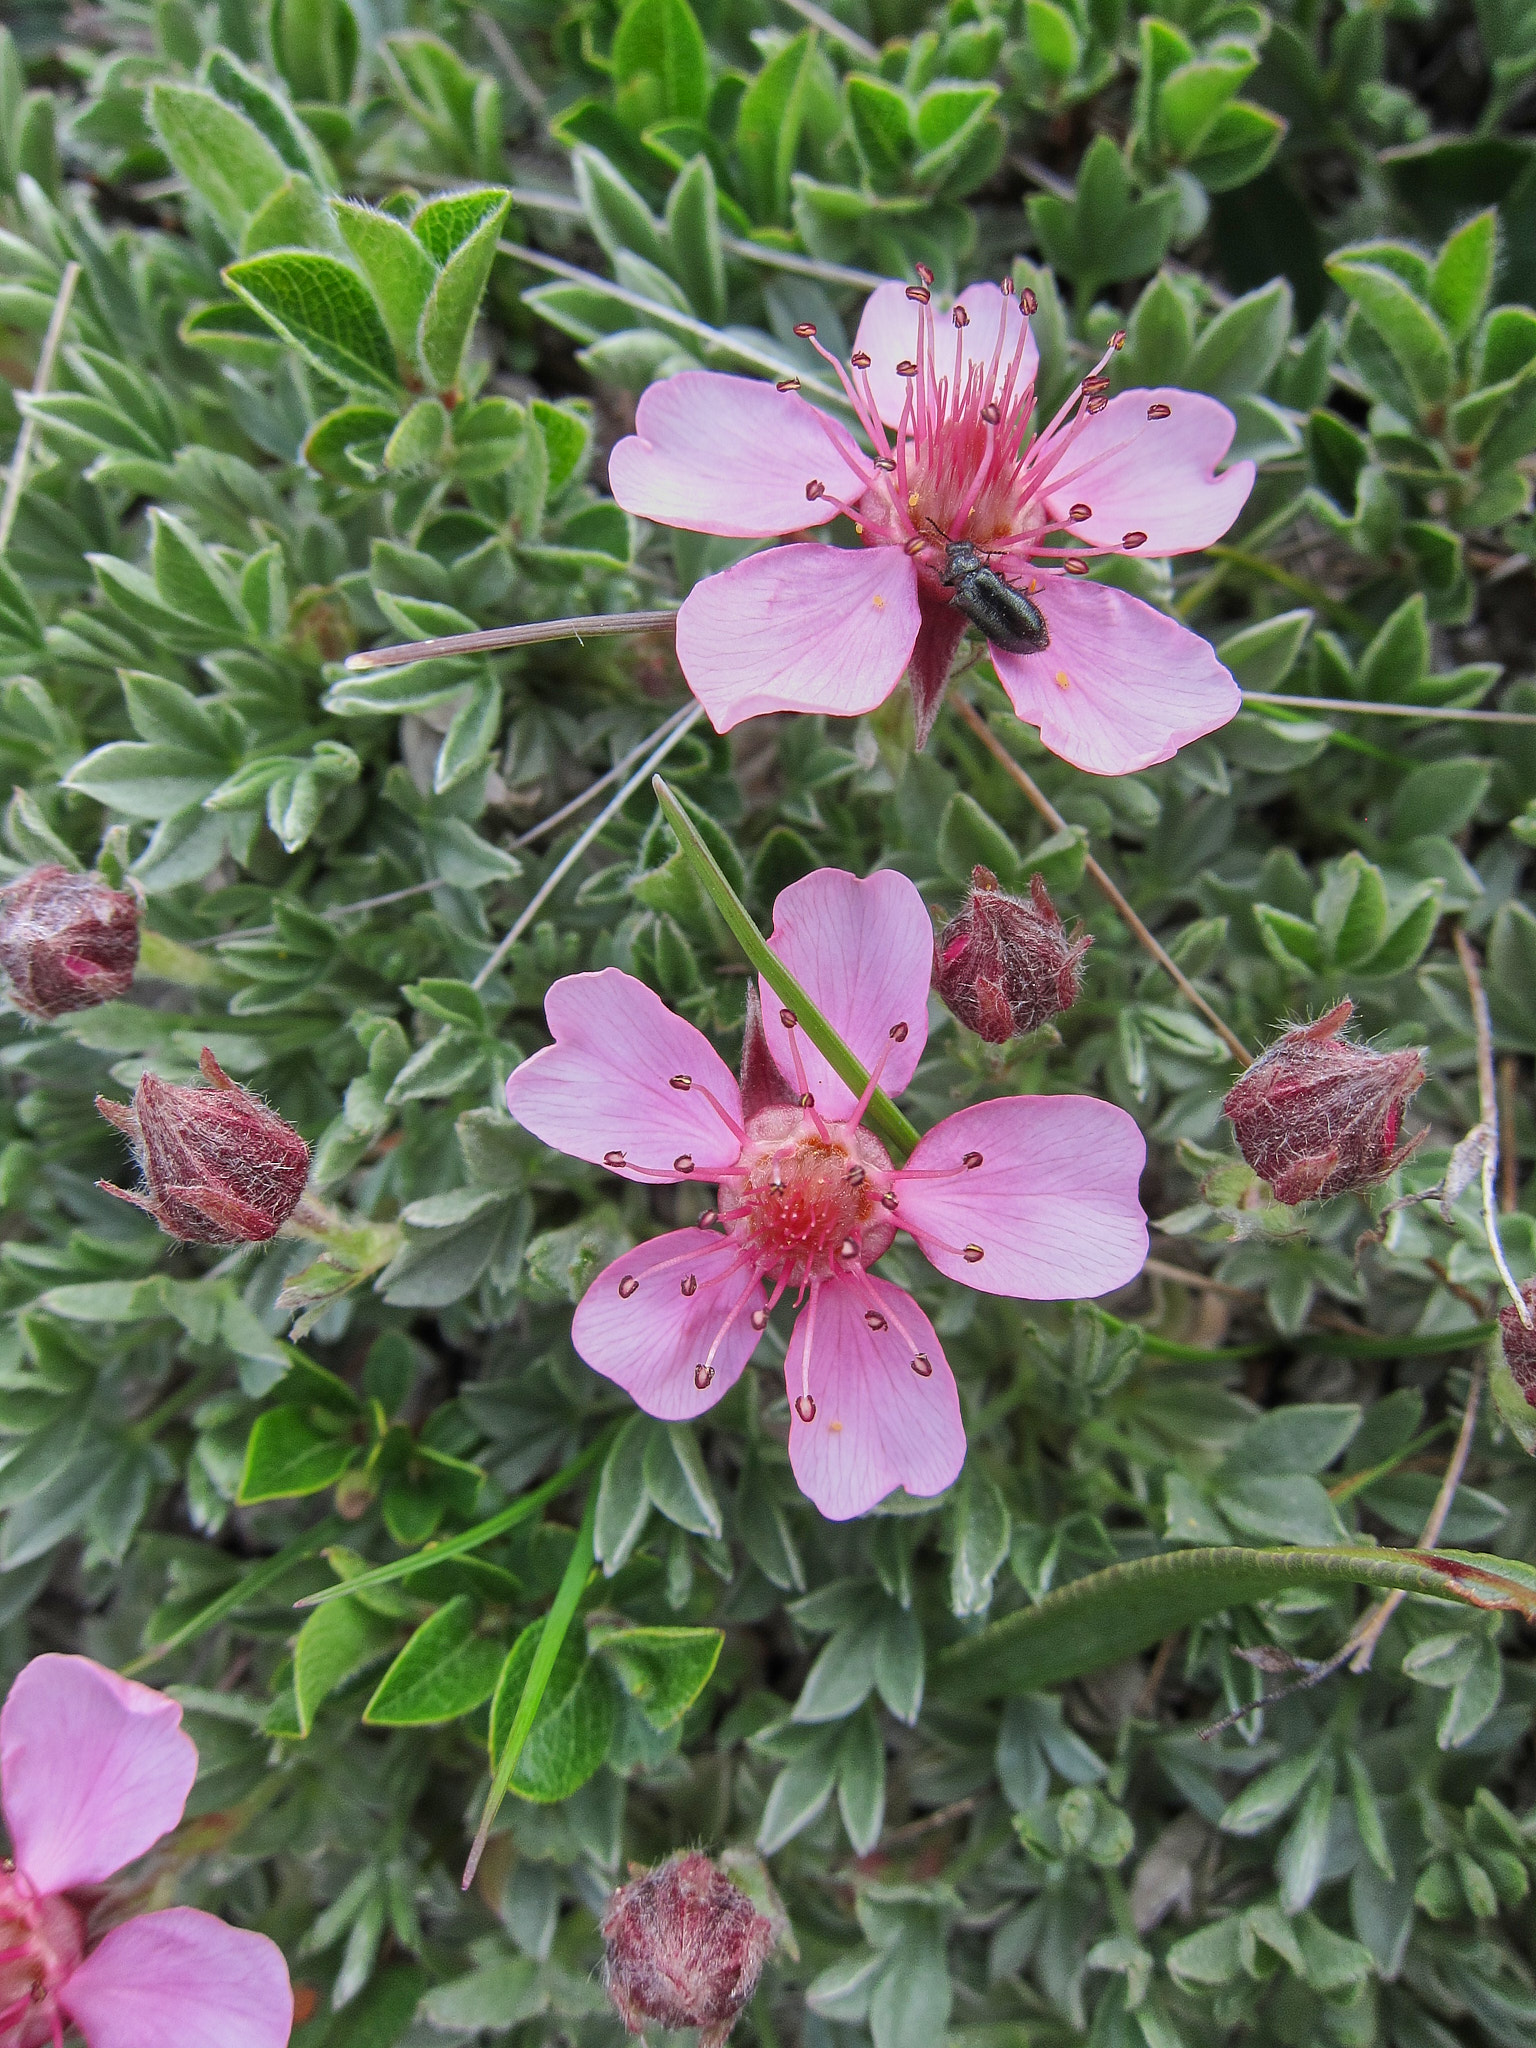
<point>1116,686</point>
<point>1030,1195</point>
<point>93,1771</point>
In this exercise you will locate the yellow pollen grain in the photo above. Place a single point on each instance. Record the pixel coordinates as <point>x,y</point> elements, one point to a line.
<point>856,527</point>
<point>912,501</point>
<point>1063,680</point>
<point>879,603</point>
<point>835,1427</point>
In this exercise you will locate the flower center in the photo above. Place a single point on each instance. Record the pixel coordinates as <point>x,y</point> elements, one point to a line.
<point>41,1943</point>
<point>804,1200</point>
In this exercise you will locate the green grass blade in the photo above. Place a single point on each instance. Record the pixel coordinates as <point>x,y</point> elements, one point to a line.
<point>883,1117</point>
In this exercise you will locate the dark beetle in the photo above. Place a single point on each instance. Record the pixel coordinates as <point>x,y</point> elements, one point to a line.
<point>1008,618</point>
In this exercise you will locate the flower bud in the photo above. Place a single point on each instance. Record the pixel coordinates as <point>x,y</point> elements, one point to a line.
<point>685,1948</point>
<point>219,1166</point>
<point>67,941</point>
<point>1318,1114</point>
<point>1520,1342</point>
<point>1003,966</point>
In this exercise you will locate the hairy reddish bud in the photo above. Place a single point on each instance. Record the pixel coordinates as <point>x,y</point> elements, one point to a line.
<point>1520,1342</point>
<point>219,1166</point>
<point>685,1948</point>
<point>67,941</point>
<point>1319,1114</point>
<point>1003,966</point>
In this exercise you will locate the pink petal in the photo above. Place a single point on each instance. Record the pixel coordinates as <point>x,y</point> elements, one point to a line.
<point>1053,1205</point>
<point>728,455</point>
<point>650,1342</point>
<point>863,953</point>
<point>888,330</point>
<point>877,1426</point>
<point>182,1979</point>
<point>1120,686</point>
<point>95,1769</point>
<point>604,1087</point>
<point>1156,477</point>
<point>801,628</point>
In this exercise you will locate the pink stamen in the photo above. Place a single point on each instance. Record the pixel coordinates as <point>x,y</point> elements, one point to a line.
<point>805,1354</point>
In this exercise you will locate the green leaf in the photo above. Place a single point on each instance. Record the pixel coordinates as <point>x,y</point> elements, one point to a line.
<point>1102,234</point>
<point>445,1670</point>
<point>335,1643</point>
<point>224,157</point>
<point>287,1457</point>
<point>322,309</point>
<point>1292,941</point>
<point>693,238</point>
<point>1462,282</point>
<point>1115,1613</point>
<point>677,1481</point>
<point>449,314</point>
<point>861,1780</point>
<point>882,126</point>
<point>399,270</point>
<point>1418,343</point>
<point>660,64</point>
<point>1238,351</point>
<point>768,126</point>
<point>662,1669</point>
<point>981,1534</point>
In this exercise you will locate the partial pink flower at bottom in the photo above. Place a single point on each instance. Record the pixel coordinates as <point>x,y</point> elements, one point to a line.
<point>948,457</point>
<point>93,1771</point>
<point>1034,1196</point>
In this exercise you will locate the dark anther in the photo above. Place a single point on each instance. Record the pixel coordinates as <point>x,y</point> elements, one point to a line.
<point>856,1176</point>
<point>1158,412</point>
<point>806,329</point>
<point>915,545</point>
<point>627,1286</point>
<point>1094,385</point>
<point>1007,287</point>
<point>888,1199</point>
<point>683,1163</point>
<point>922,1365</point>
<point>960,317</point>
<point>788,384</point>
<point>613,1159</point>
<point>710,1216</point>
<point>861,359</point>
<point>1080,513</point>
<point>887,463</point>
<point>919,294</point>
<point>689,1286</point>
<point>1028,300</point>
<point>848,1249</point>
<point>702,1375</point>
<point>924,274</point>
<point>815,489</point>
<point>875,1320</point>
<point>805,1408</point>
<point>906,368</point>
<point>991,412</point>
<point>807,1100</point>
<point>788,1019</point>
<point>1075,566</point>
<point>1117,339</point>
<point>1132,540</point>
<point>681,1082</point>
<point>973,1255</point>
<point>971,1161</point>
<point>759,1319</point>
<point>899,1034</point>
<point>1096,405</point>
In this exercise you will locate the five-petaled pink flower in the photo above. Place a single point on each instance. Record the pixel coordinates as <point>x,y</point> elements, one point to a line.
<point>1029,1195</point>
<point>94,1770</point>
<point>814,628</point>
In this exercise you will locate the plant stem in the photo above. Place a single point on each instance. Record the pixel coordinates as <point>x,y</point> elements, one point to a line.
<point>16,476</point>
<point>882,1116</point>
<point>595,626</point>
<point>1488,1115</point>
<point>556,1627</point>
<point>835,30</point>
<point>1058,823</point>
<point>583,840</point>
